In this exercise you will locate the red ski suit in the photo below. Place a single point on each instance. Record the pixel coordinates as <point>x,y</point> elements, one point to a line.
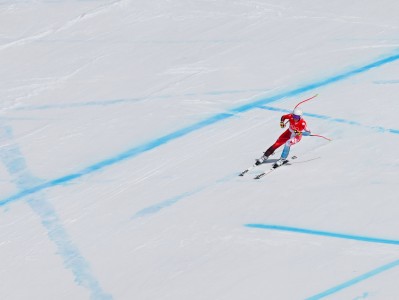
<point>289,137</point>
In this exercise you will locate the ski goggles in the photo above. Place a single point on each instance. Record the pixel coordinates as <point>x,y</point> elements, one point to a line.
<point>296,117</point>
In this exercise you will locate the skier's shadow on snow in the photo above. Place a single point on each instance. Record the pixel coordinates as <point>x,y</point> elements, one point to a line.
<point>269,161</point>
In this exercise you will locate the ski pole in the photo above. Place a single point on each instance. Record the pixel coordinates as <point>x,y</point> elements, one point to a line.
<point>320,136</point>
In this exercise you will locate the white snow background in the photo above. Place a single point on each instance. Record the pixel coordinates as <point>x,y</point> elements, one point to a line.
<point>124,125</point>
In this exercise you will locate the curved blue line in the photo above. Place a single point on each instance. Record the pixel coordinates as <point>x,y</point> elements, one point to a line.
<point>191,128</point>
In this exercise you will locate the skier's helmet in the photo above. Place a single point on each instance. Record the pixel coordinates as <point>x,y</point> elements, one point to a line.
<point>297,113</point>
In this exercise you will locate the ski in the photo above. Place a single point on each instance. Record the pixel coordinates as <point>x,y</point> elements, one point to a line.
<point>247,170</point>
<point>250,168</point>
<point>275,166</point>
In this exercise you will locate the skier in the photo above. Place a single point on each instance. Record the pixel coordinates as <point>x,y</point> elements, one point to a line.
<point>291,136</point>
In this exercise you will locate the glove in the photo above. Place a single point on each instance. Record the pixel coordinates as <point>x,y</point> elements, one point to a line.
<point>282,125</point>
<point>297,132</point>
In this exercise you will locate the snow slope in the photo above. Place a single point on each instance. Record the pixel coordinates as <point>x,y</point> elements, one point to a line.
<point>124,124</point>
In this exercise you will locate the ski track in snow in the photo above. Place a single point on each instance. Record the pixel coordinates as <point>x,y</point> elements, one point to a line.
<point>68,24</point>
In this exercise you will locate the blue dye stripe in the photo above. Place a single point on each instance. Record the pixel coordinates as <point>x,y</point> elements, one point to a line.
<point>348,283</point>
<point>116,159</point>
<point>171,201</point>
<point>189,129</point>
<point>16,166</point>
<point>153,209</point>
<point>128,100</point>
<point>336,120</point>
<point>323,233</point>
<point>386,81</point>
<point>355,280</point>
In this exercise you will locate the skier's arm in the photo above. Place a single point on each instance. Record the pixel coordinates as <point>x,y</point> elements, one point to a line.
<point>283,118</point>
<point>306,131</point>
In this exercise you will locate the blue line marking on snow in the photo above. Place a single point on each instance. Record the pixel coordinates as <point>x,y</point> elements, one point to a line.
<point>16,166</point>
<point>355,280</point>
<point>336,120</point>
<point>196,126</point>
<point>386,81</point>
<point>323,233</point>
<point>341,236</point>
<point>364,296</point>
<point>116,159</point>
<point>173,200</point>
<point>128,100</point>
<point>164,204</point>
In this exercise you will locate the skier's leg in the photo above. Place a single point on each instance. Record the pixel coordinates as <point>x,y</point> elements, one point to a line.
<point>284,155</point>
<point>292,141</point>
<point>280,141</point>
<point>286,151</point>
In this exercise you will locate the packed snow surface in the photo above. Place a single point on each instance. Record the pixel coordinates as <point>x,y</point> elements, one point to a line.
<point>124,125</point>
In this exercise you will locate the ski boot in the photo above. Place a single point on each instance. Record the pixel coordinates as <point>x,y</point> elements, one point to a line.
<point>280,162</point>
<point>261,160</point>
